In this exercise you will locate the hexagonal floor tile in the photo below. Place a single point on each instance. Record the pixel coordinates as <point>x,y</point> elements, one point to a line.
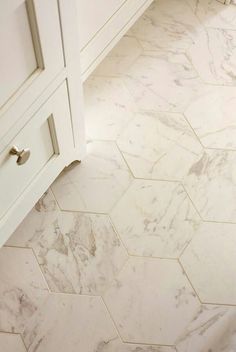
<point>212,116</point>
<point>169,25</point>
<point>218,48</point>
<point>214,14</point>
<point>11,343</point>
<point>163,81</point>
<point>155,219</point>
<point>117,346</point>
<point>78,252</point>
<point>22,290</point>
<point>159,146</point>
<point>97,183</point>
<point>210,262</point>
<point>211,184</point>
<point>119,59</point>
<point>108,107</point>
<point>211,329</point>
<point>151,301</point>
<point>44,211</point>
<point>69,323</point>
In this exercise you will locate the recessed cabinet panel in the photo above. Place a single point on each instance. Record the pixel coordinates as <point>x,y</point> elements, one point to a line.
<point>31,55</point>
<point>40,143</point>
<point>17,56</point>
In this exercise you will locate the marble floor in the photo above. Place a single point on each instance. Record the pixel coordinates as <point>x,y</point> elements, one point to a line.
<point>134,249</point>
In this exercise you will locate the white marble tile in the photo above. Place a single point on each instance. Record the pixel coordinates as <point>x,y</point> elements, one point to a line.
<point>159,146</point>
<point>13,343</point>
<point>211,184</point>
<point>97,183</point>
<point>210,262</point>
<point>163,81</point>
<point>212,116</point>
<point>212,13</point>
<point>22,289</point>
<point>108,107</point>
<point>119,59</point>
<point>214,56</point>
<point>155,219</point>
<point>151,301</point>
<point>116,345</point>
<point>169,25</point>
<point>44,211</point>
<point>69,323</point>
<point>213,328</point>
<point>78,252</point>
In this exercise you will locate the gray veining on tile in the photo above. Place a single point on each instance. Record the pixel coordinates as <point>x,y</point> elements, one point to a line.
<point>163,81</point>
<point>214,56</point>
<point>108,107</point>
<point>214,14</point>
<point>169,25</point>
<point>97,183</point>
<point>78,252</point>
<point>69,323</point>
<point>211,184</point>
<point>212,116</point>
<point>213,328</point>
<point>22,289</point>
<point>153,301</point>
<point>156,108</point>
<point>159,146</point>
<point>155,219</point>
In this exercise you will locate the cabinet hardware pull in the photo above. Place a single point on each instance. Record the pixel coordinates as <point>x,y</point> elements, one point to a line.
<point>22,155</point>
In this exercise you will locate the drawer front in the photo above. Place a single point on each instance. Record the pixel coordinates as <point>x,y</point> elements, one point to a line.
<point>31,54</point>
<point>48,136</point>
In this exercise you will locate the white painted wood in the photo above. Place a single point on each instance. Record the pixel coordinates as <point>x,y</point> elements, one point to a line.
<point>92,16</point>
<point>70,34</point>
<point>46,114</point>
<point>110,33</point>
<point>17,55</point>
<point>46,35</point>
<point>36,136</point>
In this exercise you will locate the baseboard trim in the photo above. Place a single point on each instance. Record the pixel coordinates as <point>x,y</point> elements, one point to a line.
<point>105,39</point>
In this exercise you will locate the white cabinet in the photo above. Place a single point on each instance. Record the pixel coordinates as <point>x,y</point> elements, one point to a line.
<point>102,23</point>
<point>40,102</point>
<point>93,15</point>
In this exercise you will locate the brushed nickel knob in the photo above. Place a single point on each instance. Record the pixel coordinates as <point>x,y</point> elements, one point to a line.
<point>22,155</point>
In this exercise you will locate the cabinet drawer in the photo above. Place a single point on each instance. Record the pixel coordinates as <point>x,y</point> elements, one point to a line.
<point>48,135</point>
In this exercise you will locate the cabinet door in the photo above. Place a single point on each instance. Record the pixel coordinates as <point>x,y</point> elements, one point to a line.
<point>31,54</point>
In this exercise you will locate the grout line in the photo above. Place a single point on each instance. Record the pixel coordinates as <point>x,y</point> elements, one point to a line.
<point>147,344</point>
<point>40,268</point>
<point>125,161</point>
<point>192,129</point>
<point>82,212</point>
<point>152,257</point>
<point>185,273</point>
<point>23,341</point>
<point>219,304</point>
<point>51,190</point>
<point>111,317</point>
<point>9,332</point>
<point>199,214</point>
<point>118,234</point>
